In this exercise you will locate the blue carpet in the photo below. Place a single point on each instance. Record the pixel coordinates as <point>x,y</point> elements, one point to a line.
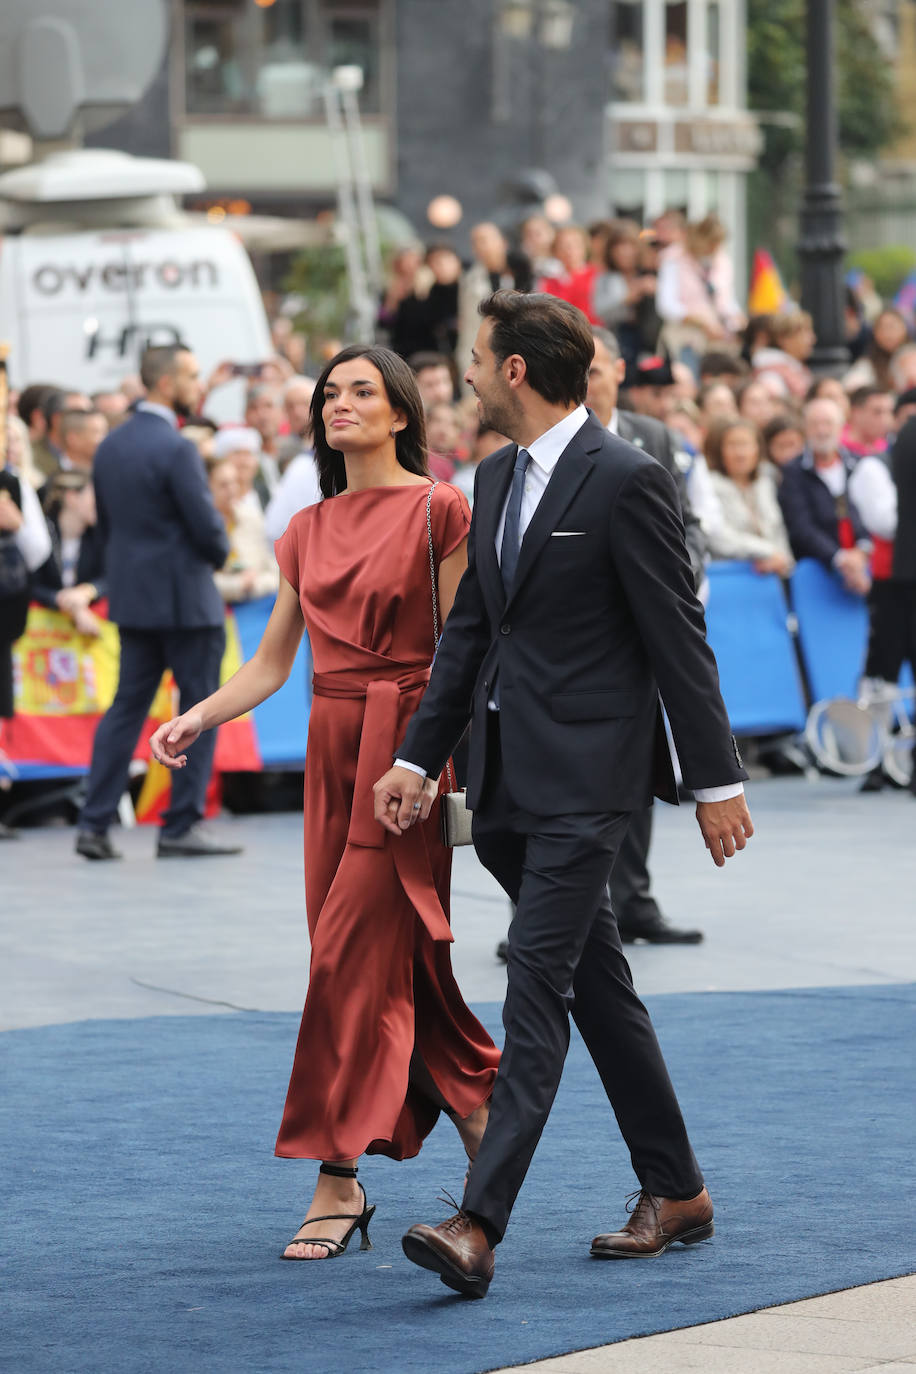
<point>144,1212</point>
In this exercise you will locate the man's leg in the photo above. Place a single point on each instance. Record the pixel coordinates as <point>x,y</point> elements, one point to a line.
<point>637,912</point>
<point>141,668</point>
<point>558,876</point>
<point>621,1040</point>
<point>194,657</point>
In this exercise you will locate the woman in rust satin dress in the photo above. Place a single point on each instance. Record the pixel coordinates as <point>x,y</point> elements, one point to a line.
<point>386,1040</point>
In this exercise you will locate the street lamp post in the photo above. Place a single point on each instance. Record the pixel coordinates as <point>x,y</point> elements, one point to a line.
<point>822,244</point>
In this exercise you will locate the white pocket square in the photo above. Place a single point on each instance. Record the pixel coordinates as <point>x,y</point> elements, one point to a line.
<point>568,534</point>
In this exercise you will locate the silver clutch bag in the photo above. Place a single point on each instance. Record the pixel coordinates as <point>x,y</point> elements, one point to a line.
<point>456,819</point>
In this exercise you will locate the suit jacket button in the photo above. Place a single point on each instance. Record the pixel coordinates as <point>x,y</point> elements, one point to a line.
<point>505,629</point>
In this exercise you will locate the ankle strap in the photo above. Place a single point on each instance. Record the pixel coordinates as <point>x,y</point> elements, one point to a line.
<point>338,1170</point>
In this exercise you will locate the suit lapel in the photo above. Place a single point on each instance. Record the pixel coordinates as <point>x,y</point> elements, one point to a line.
<point>571,470</point>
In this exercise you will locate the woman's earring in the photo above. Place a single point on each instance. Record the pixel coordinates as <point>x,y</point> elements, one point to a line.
<point>394,433</point>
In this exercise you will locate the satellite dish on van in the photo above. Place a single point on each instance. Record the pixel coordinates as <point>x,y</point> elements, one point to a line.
<point>76,62</point>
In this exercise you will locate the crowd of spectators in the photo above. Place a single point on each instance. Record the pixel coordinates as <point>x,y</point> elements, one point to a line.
<point>780,465</point>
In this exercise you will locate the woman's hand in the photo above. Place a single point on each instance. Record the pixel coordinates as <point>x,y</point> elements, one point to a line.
<point>87,622</point>
<point>176,735</point>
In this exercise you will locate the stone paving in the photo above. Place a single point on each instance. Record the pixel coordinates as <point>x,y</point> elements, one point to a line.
<point>823,896</point>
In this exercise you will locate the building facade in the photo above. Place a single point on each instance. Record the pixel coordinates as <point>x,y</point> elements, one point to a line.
<point>625,106</point>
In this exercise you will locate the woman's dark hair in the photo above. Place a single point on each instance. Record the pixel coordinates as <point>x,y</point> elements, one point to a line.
<point>715,441</point>
<point>553,337</point>
<point>401,390</point>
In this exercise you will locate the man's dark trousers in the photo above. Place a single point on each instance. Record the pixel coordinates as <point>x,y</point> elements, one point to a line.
<point>565,956</point>
<point>194,657</point>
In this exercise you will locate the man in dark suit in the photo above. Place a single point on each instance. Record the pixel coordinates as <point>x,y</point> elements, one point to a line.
<point>577,608</point>
<point>163,537</point>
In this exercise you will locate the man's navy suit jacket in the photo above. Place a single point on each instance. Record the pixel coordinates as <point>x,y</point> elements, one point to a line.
<point>601,617</point>
<point>163,534</point>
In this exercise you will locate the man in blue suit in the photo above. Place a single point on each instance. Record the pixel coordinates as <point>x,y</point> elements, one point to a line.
<point>163,537</point>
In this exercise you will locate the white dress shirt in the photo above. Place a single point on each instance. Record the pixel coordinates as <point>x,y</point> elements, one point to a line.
<point>545,453</point>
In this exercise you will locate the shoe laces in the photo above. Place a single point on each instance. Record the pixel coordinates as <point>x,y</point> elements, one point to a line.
<point>459,1221</point>
<point>641,1201</point>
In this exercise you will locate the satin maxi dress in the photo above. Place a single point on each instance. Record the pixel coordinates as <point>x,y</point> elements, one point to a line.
<point>386,1039</point>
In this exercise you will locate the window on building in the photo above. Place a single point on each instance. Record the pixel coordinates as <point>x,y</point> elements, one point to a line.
<point>628,193</point>
<point>713,51</point>
<point>271,60</point>
<point>628,48</point>
<point>676,64</point>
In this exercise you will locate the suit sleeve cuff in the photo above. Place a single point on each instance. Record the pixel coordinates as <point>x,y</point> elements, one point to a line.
<point>411,767</point>
<point>717,794</point>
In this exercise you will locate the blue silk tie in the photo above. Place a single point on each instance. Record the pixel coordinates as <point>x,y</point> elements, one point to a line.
<point>512,540</point>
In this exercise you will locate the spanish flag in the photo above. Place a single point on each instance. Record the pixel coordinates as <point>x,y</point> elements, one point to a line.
<point>767,295</point>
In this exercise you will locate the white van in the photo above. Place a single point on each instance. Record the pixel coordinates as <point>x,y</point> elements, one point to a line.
<point>97,261</point>
<point>79,309</point>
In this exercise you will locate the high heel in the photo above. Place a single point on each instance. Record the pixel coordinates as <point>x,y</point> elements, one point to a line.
<point>336,1248</point>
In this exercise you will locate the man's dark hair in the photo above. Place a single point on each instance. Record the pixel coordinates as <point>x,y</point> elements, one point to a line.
<point>54,402</point>
<point>553,337</point>
<point>160,361</point>
<point>863,394</point>
<point>604,336</point>
<point>73,421</point>
<point>720,364</point>
<point>906,398</point>
<point>780,423</point>
<point>34,397</point>
<point>419,362</point>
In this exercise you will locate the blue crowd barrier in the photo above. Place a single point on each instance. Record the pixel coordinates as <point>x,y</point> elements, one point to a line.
<point>282,721</point>
<point>747,628</point>
<point>832,630</point>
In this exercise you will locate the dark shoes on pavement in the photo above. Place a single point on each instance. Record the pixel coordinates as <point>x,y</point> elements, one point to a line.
<point>193,844</point>
<point>457,1250</point>
<point>654,1224</point>
<point>658,932</point>
<point>94,846</point>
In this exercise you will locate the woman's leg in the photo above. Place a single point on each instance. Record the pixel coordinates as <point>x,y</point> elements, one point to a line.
<point>332,1195</point>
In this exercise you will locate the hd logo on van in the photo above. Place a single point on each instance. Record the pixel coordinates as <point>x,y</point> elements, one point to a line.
<point>51,280</point>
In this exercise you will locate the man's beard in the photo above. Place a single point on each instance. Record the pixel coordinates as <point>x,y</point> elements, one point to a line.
<point>182,410</point>
<point>499,414</point>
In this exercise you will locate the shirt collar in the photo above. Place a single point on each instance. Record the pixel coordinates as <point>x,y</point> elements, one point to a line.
<point>613,423</point>
<point>154,408</point>
<point>547,448</point>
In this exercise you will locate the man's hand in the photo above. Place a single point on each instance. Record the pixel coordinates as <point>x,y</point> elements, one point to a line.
<point>726,827</point>
<point>402,798</point>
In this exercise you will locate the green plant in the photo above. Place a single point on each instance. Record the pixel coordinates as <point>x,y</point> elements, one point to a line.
<point>319,276</point>
<point>887,267</point>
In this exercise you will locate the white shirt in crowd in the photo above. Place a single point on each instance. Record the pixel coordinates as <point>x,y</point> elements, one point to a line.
<point>545,453</point>
<point>296,489</point>
<point>873,492</point>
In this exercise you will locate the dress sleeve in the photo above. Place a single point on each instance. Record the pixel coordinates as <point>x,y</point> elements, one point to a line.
<point>451,517</point>
<point>286,550</point>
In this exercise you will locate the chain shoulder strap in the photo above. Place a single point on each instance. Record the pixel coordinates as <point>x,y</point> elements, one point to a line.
<point>437,633</point>
<point>432,563</point>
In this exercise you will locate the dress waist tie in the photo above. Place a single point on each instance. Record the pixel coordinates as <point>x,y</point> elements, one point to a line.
<point>377,744</point>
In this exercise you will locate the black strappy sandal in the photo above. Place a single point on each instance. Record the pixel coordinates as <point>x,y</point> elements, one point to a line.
<point>336,1248</point>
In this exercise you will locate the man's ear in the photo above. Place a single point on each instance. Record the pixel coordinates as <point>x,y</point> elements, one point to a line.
<point>620,368</point>
<point>515,369</point>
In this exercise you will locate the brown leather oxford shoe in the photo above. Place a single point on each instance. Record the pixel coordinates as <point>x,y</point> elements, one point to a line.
<point>656,1223</point>
<point>457,1250</point>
